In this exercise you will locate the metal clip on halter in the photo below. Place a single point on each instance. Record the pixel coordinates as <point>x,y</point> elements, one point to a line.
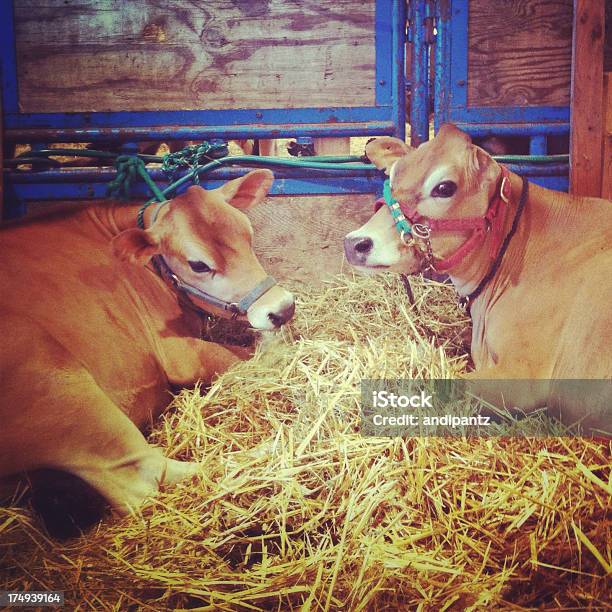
<point>421,231</point>
<point>505,184</point>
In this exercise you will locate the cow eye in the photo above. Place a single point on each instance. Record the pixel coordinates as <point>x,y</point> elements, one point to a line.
<point>445,189</point>
<point>199,266</point>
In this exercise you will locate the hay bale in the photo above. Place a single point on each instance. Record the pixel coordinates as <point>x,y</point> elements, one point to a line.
<point>295,509</point>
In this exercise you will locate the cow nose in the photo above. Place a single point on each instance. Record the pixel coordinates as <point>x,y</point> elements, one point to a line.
<point>357,247</point>
<point>363,245</point>
<point>282,316</point>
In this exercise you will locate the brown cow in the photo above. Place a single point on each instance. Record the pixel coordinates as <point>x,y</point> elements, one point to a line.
<point>535,265</point>
<point>93,338</point>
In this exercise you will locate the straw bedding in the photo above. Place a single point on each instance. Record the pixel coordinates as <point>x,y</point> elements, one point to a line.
<point>296,510</point>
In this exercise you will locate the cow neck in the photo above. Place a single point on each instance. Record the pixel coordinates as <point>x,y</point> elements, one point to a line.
<point>122,218</point>
<point>470,277</point>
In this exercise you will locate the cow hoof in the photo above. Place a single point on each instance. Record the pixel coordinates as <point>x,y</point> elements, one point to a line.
<point>179,470</point>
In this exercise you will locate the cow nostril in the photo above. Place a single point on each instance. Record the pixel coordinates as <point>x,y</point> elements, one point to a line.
<point>275,319</point>
<point>278,318</point>
<point>364,245</point>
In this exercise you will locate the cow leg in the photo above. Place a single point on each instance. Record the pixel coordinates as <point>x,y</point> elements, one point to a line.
<point>503,389</point>
<point>268,147</point>
<point>69,423</point>
<point>187,360</point>
<point>104,447</point>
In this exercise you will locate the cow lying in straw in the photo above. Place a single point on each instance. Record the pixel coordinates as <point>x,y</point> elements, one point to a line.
<point>93,336</point>
<point>533,264</point>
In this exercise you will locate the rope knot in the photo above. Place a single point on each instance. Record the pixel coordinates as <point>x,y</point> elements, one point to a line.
<point>129,167</point>
<point>192,156</point>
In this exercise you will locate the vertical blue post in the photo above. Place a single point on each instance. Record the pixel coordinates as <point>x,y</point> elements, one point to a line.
<point>8,58</point>
<point>538,145</point>
<point>419,74</point>
<point>442,15</point>
<point>398,76</point>
<point>14,206</point>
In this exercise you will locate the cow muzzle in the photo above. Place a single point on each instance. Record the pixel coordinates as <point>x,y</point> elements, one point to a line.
<point>357,249</point>
<point>272,310</point>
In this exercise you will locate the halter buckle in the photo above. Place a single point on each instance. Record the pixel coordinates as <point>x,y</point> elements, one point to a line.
<point>505,184</point>
<point>175,280</point>
<point>464,302</point>
<point>421,231</point>
<point>406,237</point>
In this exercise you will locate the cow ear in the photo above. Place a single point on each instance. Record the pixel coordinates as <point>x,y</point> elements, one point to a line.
<point>385,151</point>
<point>134,245</point>
<point>450,130</point>
<point>479,159</point>
<point>249,189</point>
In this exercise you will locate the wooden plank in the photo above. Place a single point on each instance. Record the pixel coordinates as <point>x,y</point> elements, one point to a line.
<point>608,39</point>
<point>519,53</point>
<point>586,99</point>
<point>332,146</point>
<point>606,174</point>
<point>301,238</point>
<point>89,55</point>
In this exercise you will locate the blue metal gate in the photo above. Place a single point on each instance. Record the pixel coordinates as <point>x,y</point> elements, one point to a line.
<point>385,117</point>
<point>439,31</point>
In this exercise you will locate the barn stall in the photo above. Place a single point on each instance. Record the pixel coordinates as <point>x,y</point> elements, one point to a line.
<point>298,509</point>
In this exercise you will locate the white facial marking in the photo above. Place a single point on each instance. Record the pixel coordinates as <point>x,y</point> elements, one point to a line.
<point>193,252</point>
<point>381,230</point>
<point>392,172</point>
<point>274,301</point>
<point>436,177</point>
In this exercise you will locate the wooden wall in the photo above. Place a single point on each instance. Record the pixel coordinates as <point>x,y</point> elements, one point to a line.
<point>116,55</point>
<point>520,52</point>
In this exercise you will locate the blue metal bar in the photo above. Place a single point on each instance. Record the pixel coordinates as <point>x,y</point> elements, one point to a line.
<point>384,28</point>
<point>513,129</point>
<point>419,75</point>
<point>282,186</point>
<point>539,169</point>
<point>107,174</point>
<point>8,60</point>
<point>206,132</point>
<point>238,118</point>
<point>558,183</point>
<point>458,69</point>
<point>509,114</point>
<point>442,13</point>
<point>398,71</point>
<point>19,192</point>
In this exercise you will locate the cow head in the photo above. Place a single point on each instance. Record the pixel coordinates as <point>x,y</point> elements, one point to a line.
<point>206,240</point>
<point>447,177</point>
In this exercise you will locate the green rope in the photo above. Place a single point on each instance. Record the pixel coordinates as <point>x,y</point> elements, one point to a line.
<point>128,168</point>
<point>266,162</point>
<point>185,157</point>
<point>401,222</point>
<point>192,156</point>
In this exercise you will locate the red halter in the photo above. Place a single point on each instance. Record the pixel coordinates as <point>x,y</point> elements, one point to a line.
<point>492,220</point>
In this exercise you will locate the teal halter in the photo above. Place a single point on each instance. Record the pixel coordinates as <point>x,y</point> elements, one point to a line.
<point>403,227</point>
